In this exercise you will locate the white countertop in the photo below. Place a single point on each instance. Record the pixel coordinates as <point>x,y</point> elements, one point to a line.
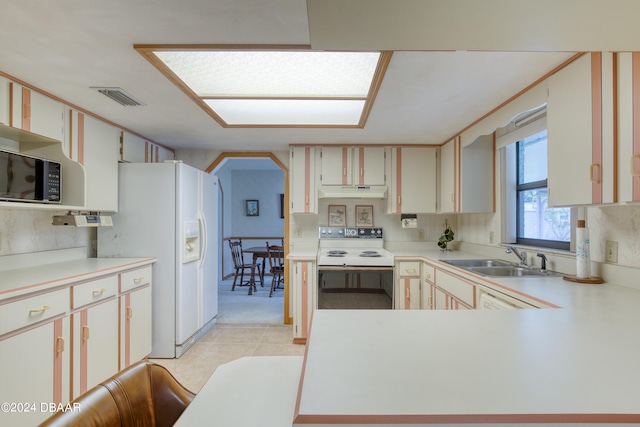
<point>22,281</point>
<point>576,363</point>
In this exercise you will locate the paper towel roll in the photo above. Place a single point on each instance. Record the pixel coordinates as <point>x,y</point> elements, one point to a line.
<point>583,262</point>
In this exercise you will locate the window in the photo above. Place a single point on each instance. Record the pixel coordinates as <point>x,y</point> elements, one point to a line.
<point>538,224</point>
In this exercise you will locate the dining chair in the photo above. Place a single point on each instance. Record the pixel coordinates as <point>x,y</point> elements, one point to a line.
<point>276,265</point>
<point>240,265</point>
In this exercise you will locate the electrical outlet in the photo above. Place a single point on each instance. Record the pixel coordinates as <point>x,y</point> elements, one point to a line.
<point>297,232</point>
<point>611,251</point>
<point>491,237</point>
<point>420,233</point>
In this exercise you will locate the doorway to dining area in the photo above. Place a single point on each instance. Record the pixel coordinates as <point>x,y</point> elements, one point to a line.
<point>253,213</point>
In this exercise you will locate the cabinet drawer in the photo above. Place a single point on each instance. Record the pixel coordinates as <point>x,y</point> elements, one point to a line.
<point>93,291</point>
<point>31,310</point>
<point>429,273</point>
<point>460,288</point>
<point>409,268</point>
<point>133,279</point>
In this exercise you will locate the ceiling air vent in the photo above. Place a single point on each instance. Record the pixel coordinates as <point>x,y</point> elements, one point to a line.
<point>119,95</point>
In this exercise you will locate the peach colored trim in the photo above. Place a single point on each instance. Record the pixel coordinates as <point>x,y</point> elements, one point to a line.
<point>71,134</point>
<point>398,200</point>
<point>285,170</point>
<point>407,293</point>
<point>296,410</point>
<point>73,106</point>
<point>361,165</point>
<point>596,127</point>
<point>484,419</point>
<point>11,87</point>
<point>636,122</point>
<point>344,166</point>
<point>493,167</point>
<point>304,270</point>
<point>72,336</point>
<point>81,138</point>
<point>58,349</point>
<point>307,178</point>
<point>457,175</point>
<point>89,274</point>
<point>127,330</point>
<point>26,109</point>
<point>146,152</point>
<point>614,89</point>
<point>157,153</point>
<point>84,317</point>
<point>299,341</point>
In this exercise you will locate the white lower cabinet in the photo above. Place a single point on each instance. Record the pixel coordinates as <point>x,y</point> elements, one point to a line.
<point>135,323</point>
<point>408,285</point>
<point>95,345</point>
<point>34,372</point>
<point>56,345</point>
<point>303,289</point>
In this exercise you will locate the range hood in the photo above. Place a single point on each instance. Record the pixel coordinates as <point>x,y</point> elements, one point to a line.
<point>352,192</point>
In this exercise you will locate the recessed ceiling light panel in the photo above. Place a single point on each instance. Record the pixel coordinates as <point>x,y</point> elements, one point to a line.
<point>271,87</point>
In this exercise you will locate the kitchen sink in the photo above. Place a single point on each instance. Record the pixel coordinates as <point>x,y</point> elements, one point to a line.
<point>465,263</point>
<point>497,268</point>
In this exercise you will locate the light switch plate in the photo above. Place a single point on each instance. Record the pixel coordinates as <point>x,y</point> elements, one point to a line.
<point>611,251</point>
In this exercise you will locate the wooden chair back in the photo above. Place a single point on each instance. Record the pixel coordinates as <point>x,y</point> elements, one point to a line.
<point>236,253</point>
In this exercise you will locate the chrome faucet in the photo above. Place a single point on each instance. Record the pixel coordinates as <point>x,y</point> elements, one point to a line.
<point>522,255</point>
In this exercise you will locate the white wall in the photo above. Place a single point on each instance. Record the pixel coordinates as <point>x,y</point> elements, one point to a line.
<point>264,186</point>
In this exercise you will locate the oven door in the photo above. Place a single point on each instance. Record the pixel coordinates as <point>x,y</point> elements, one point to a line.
<point>349,287</point>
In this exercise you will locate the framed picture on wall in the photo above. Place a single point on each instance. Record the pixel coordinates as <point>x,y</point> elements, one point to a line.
<point>281,205</point>
<point>252,208</point>
<point>337,216</point>
<point>364,216</point>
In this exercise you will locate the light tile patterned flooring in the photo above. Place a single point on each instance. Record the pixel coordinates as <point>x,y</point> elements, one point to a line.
<point>227,342</point>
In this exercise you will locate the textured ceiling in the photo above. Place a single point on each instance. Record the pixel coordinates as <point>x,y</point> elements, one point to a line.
<point>67,46</point>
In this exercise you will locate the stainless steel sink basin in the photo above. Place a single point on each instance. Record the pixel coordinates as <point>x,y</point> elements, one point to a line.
<point>496,268</point>
<point>465,263</point>
<point>507,271</point>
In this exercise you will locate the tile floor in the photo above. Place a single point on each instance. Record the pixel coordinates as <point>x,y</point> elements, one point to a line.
<point>227,342</point>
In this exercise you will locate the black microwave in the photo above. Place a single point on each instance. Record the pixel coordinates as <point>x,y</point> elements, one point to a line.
<point>29,179</point>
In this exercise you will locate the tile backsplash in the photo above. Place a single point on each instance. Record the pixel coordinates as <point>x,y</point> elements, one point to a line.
<point>30,230</point>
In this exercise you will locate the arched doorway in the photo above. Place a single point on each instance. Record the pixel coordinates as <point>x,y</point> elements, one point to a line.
<point>267,155</point>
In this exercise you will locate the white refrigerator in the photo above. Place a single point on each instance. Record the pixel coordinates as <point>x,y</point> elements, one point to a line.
<point>169,211</point>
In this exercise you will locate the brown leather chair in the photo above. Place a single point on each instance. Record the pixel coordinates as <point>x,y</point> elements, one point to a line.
<point>144,394</point>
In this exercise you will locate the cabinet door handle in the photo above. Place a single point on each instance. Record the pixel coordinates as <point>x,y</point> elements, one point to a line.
<point>410,270</point>
<point>138,279</point>
<point>591,170</point>
<point>430,301</point>
<point>361,171</point>
<point>39,310</point>
<point>59,345</point>
<point>26,111</point>
<point>129,312</point>
<point>344,171</point>
<point>86,332</point>
<point>99,291</point>
<point>633,169</point>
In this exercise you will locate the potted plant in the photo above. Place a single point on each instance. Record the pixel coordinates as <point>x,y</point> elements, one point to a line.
<point>445,237</point>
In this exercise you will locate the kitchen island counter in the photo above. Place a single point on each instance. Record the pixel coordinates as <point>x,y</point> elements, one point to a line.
<point>427,367</point>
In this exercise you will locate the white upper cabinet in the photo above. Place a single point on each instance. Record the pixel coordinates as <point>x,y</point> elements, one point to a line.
<point>370,166</point>
<point>629,126</point>
<point>132,148</point>
<point>4,101</point>
<point>101,142</point>
<point>580,125</point>
<point>37,113</point>
<point>336,165</point>
<point>352,165</point>
<point>412,187</point>
<point>467,176</point>
<point>303,194</point>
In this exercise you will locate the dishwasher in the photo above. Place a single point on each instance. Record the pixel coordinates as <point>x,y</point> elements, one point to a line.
<point>490,299</point>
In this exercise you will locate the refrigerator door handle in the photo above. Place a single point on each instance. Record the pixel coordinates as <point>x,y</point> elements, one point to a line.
<point>203,237</point>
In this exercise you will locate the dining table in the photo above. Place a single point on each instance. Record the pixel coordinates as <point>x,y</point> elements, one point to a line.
<point>257,253</point>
